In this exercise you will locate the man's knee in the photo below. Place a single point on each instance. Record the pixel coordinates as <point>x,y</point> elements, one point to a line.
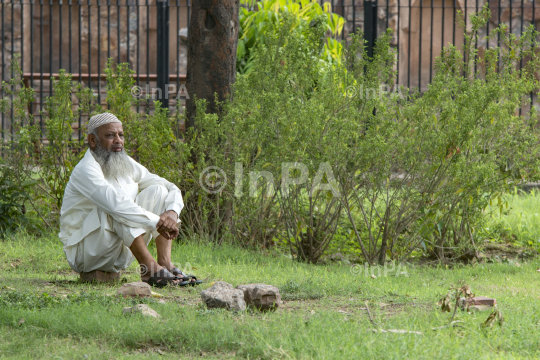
<point>160,190</point>
<point>152,198</point>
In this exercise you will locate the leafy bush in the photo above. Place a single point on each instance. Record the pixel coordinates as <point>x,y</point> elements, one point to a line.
<point>264,132</point>
<point>258,25</point>
<point>412,170</point>
<point>427,168</point>
<point>43,163</point>
<point>13,198</point>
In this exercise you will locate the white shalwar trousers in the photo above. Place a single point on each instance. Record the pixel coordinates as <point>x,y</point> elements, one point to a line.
<point>107,247</point>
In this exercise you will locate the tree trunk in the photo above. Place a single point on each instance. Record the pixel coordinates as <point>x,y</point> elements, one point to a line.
<point>211,59</point>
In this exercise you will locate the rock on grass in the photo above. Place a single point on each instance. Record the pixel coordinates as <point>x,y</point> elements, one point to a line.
<point>138,288</point>
<point>261,296</point>
<point>223,295</point>
<point>143,309</point>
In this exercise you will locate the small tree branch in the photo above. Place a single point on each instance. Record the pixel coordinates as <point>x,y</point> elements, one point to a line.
<point>370,317</point>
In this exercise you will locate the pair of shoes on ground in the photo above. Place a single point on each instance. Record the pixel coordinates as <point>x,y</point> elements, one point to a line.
<point>165,277</point>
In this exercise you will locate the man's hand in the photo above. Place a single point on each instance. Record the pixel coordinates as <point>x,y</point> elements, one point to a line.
<point>166,225</point>
<point>170,235</point>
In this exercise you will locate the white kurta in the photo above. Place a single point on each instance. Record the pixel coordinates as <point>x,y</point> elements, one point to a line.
<point>100,217</point>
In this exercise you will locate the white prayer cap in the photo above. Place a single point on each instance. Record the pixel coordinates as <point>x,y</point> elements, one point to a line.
<point>101,119</point>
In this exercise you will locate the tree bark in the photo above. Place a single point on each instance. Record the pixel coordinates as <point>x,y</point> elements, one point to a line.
<point>211,59</point>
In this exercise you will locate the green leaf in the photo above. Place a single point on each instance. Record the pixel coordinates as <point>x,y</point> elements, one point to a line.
<point>27,183</point>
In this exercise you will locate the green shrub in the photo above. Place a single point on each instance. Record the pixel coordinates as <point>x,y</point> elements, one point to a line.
<point>258,25</point>
<point>278,115</point>
<point>413,170</point>
<point>13,199</point>
<point>41,166</point>
<point>427,168</point>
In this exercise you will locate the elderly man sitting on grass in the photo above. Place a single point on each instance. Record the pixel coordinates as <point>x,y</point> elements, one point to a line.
<point>113,206</point>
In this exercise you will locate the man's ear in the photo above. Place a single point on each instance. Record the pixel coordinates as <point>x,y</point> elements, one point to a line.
<point>92,141</point>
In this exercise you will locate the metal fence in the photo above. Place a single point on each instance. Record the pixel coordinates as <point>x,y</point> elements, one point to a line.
<point>79,36</point>
<point>421,28</point>
<point>151,36</point>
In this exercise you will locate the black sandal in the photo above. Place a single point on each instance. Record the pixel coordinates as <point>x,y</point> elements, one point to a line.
<point>163,278</point>
<point>176,271</point>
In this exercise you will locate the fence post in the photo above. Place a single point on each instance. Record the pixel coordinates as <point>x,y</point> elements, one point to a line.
<point>163,51</point>
<point>370,25</point>
<point>370,35</point>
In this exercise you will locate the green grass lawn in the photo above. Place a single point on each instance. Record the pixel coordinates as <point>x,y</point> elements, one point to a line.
<point>521,221</point>
<point>323,315</point>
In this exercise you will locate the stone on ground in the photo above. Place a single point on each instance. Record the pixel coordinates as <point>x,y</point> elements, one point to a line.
<point>223,295</point>
<point>143,309</point>
<point>478,303</point>
<point>474,308</point>
<point>99,276</point>
<point>138,288</point>
<point>482,300</point>
<point>261,296</point>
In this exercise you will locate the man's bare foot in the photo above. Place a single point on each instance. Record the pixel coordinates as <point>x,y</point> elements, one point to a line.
<point>191,278</point>
<point>148,271</point>
<point>173,270</point>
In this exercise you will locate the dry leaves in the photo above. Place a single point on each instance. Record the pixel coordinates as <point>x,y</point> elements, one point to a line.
<point>445,303</point>
<point>466,290</point>
<point>494,317</point>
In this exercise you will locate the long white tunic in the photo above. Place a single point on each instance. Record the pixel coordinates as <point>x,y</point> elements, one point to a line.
<point>94,206</point>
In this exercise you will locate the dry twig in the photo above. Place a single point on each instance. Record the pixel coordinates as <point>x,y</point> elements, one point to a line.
<point>369,314</point>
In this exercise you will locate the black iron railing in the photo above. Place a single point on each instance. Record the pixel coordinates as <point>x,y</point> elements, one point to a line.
<point>79,36</point>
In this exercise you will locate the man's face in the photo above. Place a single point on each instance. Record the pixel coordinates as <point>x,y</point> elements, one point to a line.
<point>111,137</point>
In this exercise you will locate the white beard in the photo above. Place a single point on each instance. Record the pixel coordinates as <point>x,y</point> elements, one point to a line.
<point>114,164</point>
